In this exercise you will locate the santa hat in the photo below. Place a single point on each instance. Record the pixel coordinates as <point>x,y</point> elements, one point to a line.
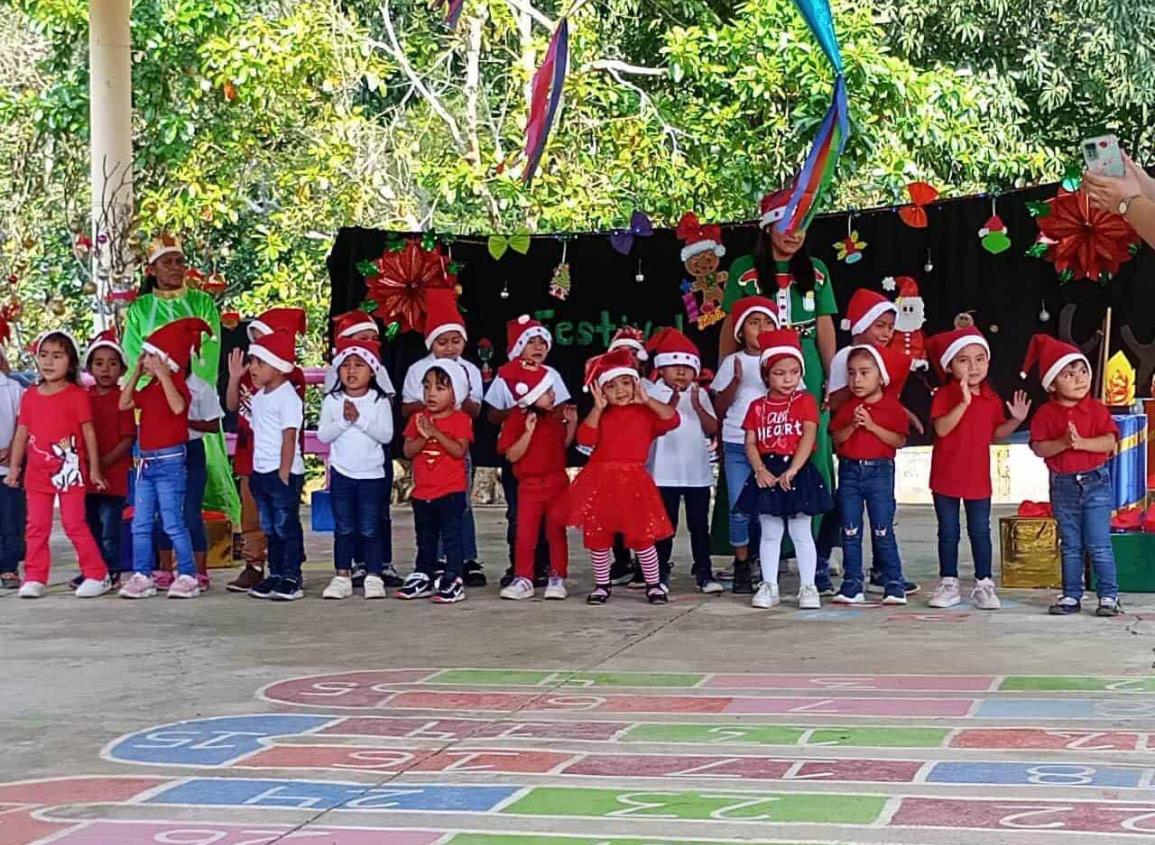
<point>994,224</point>
<point>630,338</point>
<point>907,286</point>
<point>278,350</point>
<point>175,342</point>
<point>163,245</point>
<point>518,333</point>
<point>748,305</point>
<point>865,307</point>
<point>943,346</point>
<point>352,322</point>
<point>528,384</point>
<point>368,351</point>
<point>43,336</point>
<point>1051,355</point>
<point>699,238</point>
<point>893,364</point>
<point>780,343</point>
<point>671,348</point>
<point>773,207</point>
<point>291,320</point>
<point>107,339</point>
<point>603,368</point>
<point>454,369</point>
<point>442,316</point>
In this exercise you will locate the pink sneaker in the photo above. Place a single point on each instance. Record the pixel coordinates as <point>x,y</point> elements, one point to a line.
<point>184,587</point>
<point>138,587</point>
<point>204,583</point>
<point>162,579</point>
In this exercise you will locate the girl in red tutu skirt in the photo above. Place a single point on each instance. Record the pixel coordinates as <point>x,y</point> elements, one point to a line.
<point>614,494</point>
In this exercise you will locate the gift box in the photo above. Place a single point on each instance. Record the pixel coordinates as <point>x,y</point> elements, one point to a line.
<point>219,530</point>
<point>1129,463</point>
<point>1134,562</point>
<point>1030,553</point>
<point>322,511</point>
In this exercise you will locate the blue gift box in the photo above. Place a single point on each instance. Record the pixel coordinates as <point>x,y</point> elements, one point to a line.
<point>1129,463</point>
<point>322,509</point>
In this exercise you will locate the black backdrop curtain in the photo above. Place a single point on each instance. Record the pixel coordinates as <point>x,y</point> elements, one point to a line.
<point>1006,292</point>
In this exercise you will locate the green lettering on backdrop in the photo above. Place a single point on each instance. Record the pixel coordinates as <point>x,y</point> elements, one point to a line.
<point>585,333</point>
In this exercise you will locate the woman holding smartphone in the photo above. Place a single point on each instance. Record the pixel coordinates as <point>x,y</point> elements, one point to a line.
<point>1132,196</point>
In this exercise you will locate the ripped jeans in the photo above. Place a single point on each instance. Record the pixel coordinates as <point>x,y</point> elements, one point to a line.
<point>869,484</point>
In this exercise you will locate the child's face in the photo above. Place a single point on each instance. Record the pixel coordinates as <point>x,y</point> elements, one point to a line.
<point>880,331</point>
<point>535,350</point>
<point>106,367</point>
<point>971,365</point>
<point>863,375</point>
<point>366,334</point>
<point>754,325</point>
<point>1073,382</point>
<point>678,376</point>
<point>52,361</point>
<point>355,375</point>
<point>261,371</point>
<point>449,345</point>
<point>438,393</point>
<point>784,375</point>
<point>546,400</point>
<point>620,390</point>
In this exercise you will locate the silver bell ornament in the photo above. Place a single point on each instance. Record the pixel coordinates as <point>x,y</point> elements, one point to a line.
<point>929,266</point>
<point>639,277</point>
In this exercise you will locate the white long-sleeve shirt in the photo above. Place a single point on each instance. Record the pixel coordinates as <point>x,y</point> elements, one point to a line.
<point>355,448</point>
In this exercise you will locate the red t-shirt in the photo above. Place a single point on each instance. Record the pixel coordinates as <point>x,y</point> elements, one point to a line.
<point>160,428</point>
<point>862,445</point>
<point>960,463</point>
<point>624,434</point>
<point>777,422</point>
<point>112,425</point>
<point>1091,419</point>
<point>546,452</point>
<point>57,457</point>
<point>435,472</point>
<point>243,453</point>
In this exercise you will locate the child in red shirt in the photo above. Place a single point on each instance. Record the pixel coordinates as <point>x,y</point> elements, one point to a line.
<point>785,489</point>
<point>1075,434</point>
<point>534,439</point>
<point>867,430</point>
<point>54,431</point>
<point>115,436</point>
<point>968,416</point>
<point>436,441</point>
<point>613,493</point>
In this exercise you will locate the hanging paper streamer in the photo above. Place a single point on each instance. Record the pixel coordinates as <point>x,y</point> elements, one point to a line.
<point>822,160</point>
<point>640,227</point>
<point>545,97</point>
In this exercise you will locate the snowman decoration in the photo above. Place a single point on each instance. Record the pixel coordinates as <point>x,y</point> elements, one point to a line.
<point>908,334</point>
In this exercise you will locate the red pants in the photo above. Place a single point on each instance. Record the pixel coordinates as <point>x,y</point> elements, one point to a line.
<point>37,561</point>
<point>539,499</point>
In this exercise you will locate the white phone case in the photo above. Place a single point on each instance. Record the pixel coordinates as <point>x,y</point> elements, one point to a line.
<point>1103,156</point>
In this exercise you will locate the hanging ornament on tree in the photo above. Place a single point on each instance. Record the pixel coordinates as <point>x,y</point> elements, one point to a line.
<point>1044,314</point>
<point>57,307</point>
<point>929,265</point>
<point>993,234</point>
<point>639,277</point>
<point>399,280</point>
<point>559,285</point>
<point>850,248</point>
<point>88,288</point>
<point>921,195</point>
<point>230,319</point>
<point>505,290</point>
<point>1082,241</point>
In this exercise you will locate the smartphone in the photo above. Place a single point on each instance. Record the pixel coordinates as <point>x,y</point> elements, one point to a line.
<point>1103,156</point>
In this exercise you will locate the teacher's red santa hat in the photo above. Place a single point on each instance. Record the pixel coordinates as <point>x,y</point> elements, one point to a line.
<point>628,337</point>
<point>699,238</point>
<point>458,378</point>
<point>779,344</point>
<point>773,207</point>
<point>519,331</point>
<point>107,339</point>
<point>865,307</point>
<point>944,346</point>
<point>528,384</point>
<point>291,320</point>
<point>603,368</point>
<point>671,348</point>
<point>442,316</point>
<point>353,322</point>
<point>893,364</point>
<point>175,342</point>
<point>278,350</point>
<point>163,245</point>
<point>748,305</point>
<point>1051,355</point>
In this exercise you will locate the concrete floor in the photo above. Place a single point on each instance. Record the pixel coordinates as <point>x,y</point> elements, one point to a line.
<point>78,675</point>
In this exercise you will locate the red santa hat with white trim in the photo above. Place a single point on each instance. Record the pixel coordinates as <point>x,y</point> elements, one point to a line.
<point>630,338</point>
<point>519,331</point>
<point>893,363</point>
<point>944,346</point>
<point>368,351</point>
<point>773,207</point>
<point>603,368</point>
<point>278,350</point>
<point>778,344</point>
<point>458,378</point>
<point>699,238</point>
<point>671,348</point>
<point>176,342</point>
<point>1051,355</point>
<point>291,320</point>
<point>748,305</point>
<point>865,307</point>
<point>442,316</point>
<point>34,348</point>
<point>528,384</point>
<point>353,322</point>
<point>107,339</point>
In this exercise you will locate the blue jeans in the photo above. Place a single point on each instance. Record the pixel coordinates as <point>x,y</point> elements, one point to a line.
<point>468,529</point>
<point>12,519</point>
<point>1082,503</point>
<point>385,524</point>
<point>197,478</point>
<point>279,505</point>
<point>743,530</point>
<point>869,483</point>
<point>105,517</point>
<point>438,522</point>
<point>356,504</point>
<point>946,508</point>
<point>160,486</point>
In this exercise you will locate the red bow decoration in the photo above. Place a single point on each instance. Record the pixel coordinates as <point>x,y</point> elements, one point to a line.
<point>1082,241</point>
<point>921,195</point>
<point>691,230</point>
<point>1035,510</point>
<point>400,281</point>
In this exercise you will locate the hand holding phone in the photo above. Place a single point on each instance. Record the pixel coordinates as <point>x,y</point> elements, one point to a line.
<point>1103,156</point>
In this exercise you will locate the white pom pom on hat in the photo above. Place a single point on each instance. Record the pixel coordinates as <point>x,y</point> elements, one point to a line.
<point>523,319</point>
<point>521,388</point>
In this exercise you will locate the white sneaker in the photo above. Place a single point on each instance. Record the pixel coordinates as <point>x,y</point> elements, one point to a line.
<point>341,587</point>
<point>984,596</point>
<point>90,588</point>
<point>31,590</point>
<point>808,598</point>
<point>711,588</point>
<point>184,587</point>
<point>555,590</point>
<point>138,587</point>
<point>374,587</point>
<point>946,594</point>
<point>518,590</point>
<point>857,598</point>
<point>766,597</point>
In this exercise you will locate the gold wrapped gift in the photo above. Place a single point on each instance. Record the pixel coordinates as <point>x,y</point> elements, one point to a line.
<point>1030,551</point>
<point>220,537</point>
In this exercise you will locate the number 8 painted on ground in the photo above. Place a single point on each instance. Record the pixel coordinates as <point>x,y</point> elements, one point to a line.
<point>1060,775</point>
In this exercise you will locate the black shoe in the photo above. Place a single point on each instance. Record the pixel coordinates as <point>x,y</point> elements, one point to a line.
<point>474,574</point>
<point>743,584</point>
<point>1066,606</point>
<point>416,586</point>
<point>600,595</point>
<point>655,594</point>
<point>450,592</point>
<point>358,575</point>
<point>1108,607</point>
<point>12,582</point>
<point>540,581</point>
<point>822,581</point>
<point>113,580</point>
<point>390,577</point>
<point>622,572</point>
<point>287,589</point>
<point>508,577</point>
<point>76,582</point>
<point>265,588</point>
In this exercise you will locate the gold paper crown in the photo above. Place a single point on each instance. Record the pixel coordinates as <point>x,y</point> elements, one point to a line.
<point>162,245</point>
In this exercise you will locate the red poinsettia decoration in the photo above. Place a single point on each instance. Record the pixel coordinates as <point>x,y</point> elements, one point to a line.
<point>1082,241</point>
<point>401,278</point>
